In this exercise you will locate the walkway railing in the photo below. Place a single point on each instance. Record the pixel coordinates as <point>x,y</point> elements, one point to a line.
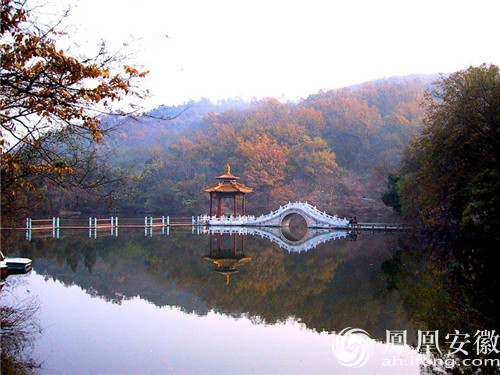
<point>94,225</point>
<point>112,223</point>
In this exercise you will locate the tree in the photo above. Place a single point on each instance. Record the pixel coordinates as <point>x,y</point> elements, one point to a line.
<point>266,166</point>
<point>450,175</point>
<point>390,197</point>
<point>48,100</point>
<point>20,330</point>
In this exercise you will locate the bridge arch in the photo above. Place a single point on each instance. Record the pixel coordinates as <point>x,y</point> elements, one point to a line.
<point>287,215</point>
<point>313,217</point>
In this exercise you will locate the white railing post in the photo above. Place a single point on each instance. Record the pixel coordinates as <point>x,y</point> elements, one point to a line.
<point>28,229</point>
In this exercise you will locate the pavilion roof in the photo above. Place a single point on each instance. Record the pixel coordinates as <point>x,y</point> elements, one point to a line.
<point>227,184</point>
<point>227,187</point>
<point>227,175</point>
<point>228,263</point>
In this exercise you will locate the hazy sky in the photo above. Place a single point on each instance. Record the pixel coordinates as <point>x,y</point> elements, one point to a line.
<point>288,49</point>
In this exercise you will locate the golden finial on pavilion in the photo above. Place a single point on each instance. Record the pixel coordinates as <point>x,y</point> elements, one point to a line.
<point>228,169</point>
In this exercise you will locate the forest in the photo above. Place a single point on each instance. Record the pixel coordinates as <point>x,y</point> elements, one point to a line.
<point>333,149</point>
<point>420,146</point>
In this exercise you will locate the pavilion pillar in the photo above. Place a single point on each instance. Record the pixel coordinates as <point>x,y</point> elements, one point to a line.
<point>219,206</point>
<point>219,242</point>
<point>243,206</point>
<point>235,205</point>
<point>211,200</point>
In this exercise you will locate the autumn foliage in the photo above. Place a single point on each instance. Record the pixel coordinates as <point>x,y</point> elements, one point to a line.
<point>333,149</point>
<point>47,99</point>
<point>450,176</point>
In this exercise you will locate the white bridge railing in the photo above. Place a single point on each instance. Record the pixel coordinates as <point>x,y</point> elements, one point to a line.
<point>320,218</point>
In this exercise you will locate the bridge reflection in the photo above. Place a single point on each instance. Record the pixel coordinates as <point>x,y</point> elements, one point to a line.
<point>227,243</point>
<point>282,236</point>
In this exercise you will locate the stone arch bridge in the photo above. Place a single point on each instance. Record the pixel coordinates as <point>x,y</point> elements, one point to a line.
<point>281,217</point>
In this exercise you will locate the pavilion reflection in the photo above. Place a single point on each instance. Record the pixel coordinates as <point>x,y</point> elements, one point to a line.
<point>227,253</point>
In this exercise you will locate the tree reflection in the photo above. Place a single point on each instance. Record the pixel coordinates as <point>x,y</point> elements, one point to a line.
<point>450,286</point>
<point>337,285</point>
<point>377,283</point>
<point>20,328</point>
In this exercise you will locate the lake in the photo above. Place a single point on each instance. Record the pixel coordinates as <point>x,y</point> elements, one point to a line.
<point>186,301</point>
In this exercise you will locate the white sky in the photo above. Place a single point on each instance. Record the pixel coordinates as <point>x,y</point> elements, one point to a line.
<point>288,49</point>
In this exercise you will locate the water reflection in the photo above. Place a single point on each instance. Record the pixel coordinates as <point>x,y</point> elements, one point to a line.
<point>227,255</point>
<point>20,328</point>
<point>284,237</point>
<point>376,282</point>
<point>335,284</point>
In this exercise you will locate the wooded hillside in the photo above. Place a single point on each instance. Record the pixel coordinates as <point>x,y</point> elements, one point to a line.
<point>333,149</point>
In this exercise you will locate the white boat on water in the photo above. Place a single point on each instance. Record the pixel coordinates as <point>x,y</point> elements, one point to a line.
<point>16,265</point>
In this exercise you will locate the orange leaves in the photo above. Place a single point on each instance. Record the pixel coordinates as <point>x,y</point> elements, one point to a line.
<point>93,125</point>
<point>134,72</point>
<point>48,96</point>
<point>313,157</point>
<point>11,16</point>
<point>130,71</point>
<point>266,160</point>
<point>51,84</point>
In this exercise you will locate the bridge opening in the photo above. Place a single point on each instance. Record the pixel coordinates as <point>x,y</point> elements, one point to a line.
<point>294,227</point>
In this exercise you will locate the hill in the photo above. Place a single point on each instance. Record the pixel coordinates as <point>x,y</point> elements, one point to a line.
<point>333,149</point>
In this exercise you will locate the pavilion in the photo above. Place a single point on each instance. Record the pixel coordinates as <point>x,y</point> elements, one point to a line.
<point>227,187</point>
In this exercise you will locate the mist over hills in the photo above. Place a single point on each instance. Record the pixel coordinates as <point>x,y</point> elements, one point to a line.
<point>333,149</point>
<point>164,124</point>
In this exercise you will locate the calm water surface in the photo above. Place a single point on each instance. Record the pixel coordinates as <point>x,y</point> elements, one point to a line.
<point>163,303</point>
